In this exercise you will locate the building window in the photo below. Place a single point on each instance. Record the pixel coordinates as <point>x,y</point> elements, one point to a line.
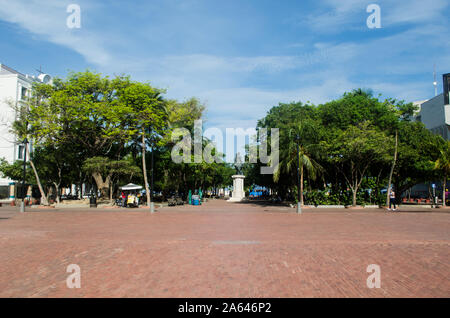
<point>24,93</point>
<point>4,192</point>
<point>21,149</point>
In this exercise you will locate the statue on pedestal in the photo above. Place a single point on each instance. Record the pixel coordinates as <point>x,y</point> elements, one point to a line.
<point>238,164</point>
<point>238,181</point>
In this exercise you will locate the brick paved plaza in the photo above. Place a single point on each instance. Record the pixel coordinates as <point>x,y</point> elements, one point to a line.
<point>224,250</point>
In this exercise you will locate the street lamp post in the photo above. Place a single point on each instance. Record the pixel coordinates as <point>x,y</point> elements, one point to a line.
<point>22,204</point>
<point>299,208</point>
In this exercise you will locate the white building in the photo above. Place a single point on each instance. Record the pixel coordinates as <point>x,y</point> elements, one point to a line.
<point>14,88</point>
<point>435,112</point>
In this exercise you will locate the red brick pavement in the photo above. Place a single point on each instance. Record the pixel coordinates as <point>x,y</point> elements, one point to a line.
<point>224,250</point>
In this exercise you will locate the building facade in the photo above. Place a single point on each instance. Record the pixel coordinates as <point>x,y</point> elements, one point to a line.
<point>435,112</point>
<point>15,87</point>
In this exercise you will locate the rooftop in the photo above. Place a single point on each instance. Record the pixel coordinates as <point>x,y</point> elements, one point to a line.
<point>8,70</point>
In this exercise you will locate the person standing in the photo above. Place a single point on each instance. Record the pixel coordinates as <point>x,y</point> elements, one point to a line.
<point>124,199</point>
<point>392,200</point>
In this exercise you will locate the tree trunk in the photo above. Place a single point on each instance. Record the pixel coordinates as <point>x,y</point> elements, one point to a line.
<point>354,196</point>
<point>111,193</point>
<point>444,185</point>
<point>388,199</point>
<point>57,185</point>
<point>81,184</point>
<point>58,197</point>
<point>103,186</point>
<point>377,185</point>
<point>49,193</point>
<point>301,185</point>
<point>41,190</point>
<point>144,169</point>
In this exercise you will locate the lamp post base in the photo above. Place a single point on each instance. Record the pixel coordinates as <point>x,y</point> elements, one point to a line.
<point>22,206</point>
<point>152,207</point>
<point>299,209</point>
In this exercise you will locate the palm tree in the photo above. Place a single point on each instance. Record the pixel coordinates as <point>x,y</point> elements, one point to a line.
<point>289,157</point>
<point>22,130</point>
<point>148,115</point>
<point>442,164</point>
<point>158,107</point>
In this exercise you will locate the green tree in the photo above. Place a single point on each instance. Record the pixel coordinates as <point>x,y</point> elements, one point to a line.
<point>288,118</point>
<point>148,117</point>
<point>184,114</point>
<point>104,171</point>
<point>85,111</point>
<point>14,171</point>
<point>418,149</point>
<point>23,131</point>
<point>54,165</point>
<point>301,155</point>
<point>355,149</point>
<point>442,165</point>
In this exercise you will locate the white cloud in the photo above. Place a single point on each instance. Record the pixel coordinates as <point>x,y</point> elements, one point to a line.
<point>319,72</point>
<point>47,19</point>
<point>416,11</point>
<point>336,16</point>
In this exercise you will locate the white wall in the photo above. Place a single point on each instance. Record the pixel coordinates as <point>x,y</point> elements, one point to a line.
<point>436,116</point>
<point>10,92</point>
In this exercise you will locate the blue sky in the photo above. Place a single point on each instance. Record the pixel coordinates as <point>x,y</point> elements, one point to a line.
<point>238,57</point>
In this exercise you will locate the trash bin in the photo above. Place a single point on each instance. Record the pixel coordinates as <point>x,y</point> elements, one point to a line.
<point>195,200</point>
<point>93,201</point>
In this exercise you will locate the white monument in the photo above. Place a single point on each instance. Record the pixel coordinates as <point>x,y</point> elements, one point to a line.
<point>238,188</point>
<point>238,181</point>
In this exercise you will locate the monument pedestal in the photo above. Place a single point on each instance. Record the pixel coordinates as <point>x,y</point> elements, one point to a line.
<point>238,188</point>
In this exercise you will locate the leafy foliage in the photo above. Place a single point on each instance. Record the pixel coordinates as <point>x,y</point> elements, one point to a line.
<point>351,139</point>
<point>93,129</point>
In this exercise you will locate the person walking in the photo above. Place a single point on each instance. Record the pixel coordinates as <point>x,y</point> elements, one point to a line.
<point>392,200</point>
<point>124,199</point>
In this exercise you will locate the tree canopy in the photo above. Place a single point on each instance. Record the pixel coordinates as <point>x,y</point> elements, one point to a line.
<point>352,140</point>
<point>90,128</point>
